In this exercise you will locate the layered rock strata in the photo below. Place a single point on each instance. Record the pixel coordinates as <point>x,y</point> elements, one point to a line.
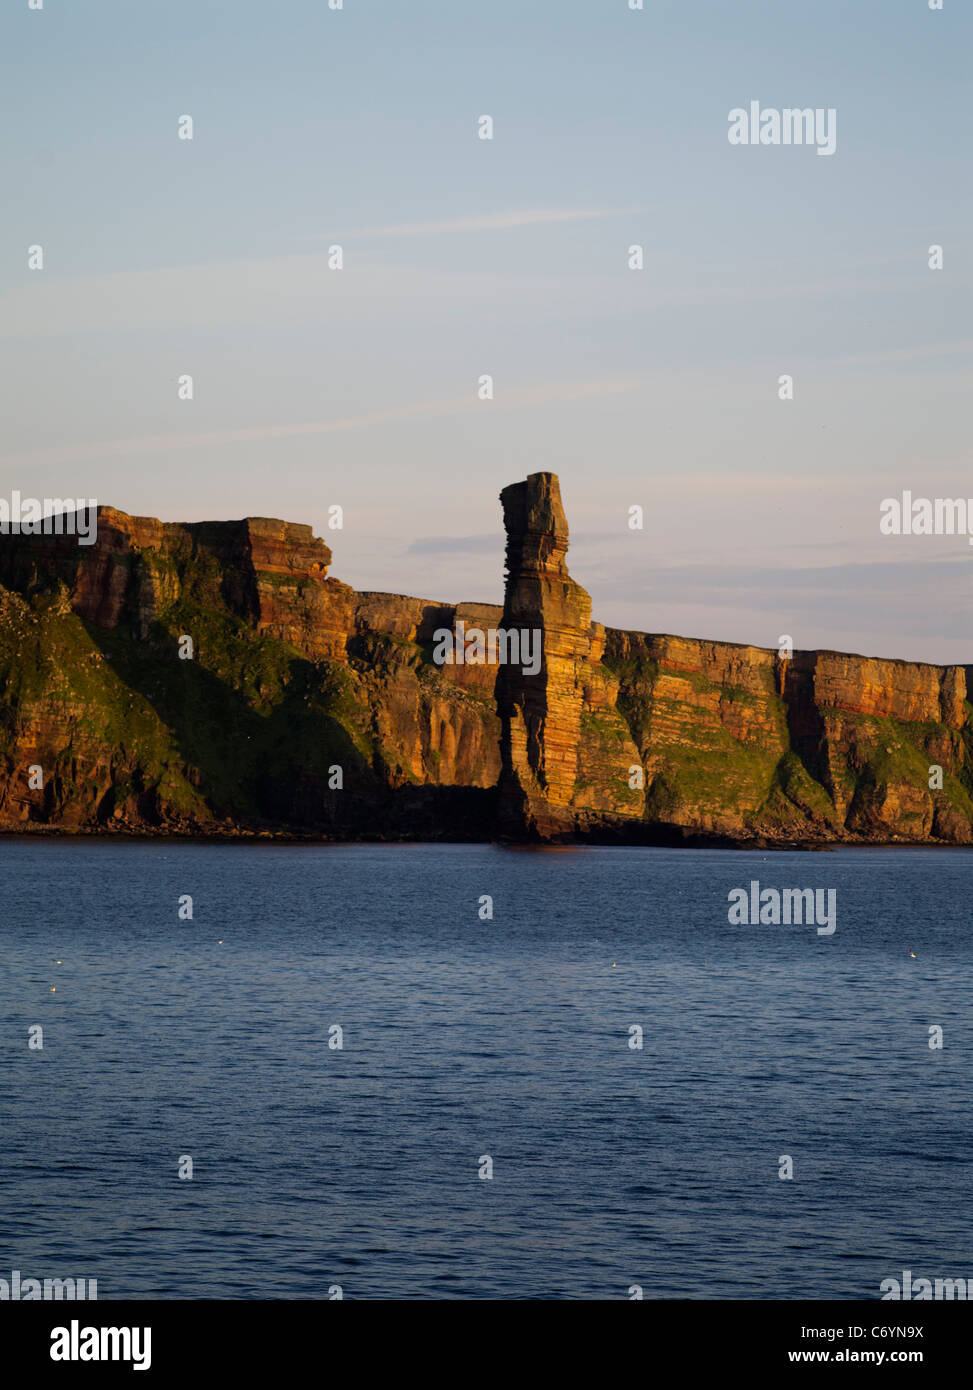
<point>540,712</point>
<point>308,708</point>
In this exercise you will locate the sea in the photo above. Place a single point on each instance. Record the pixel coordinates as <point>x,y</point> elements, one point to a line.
<point>475,1072</point>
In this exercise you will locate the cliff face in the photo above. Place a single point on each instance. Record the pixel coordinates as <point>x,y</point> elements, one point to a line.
<point>822,747</point>
<point>304,707</point>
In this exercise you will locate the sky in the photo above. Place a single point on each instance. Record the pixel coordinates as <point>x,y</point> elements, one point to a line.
<point>463,257</point>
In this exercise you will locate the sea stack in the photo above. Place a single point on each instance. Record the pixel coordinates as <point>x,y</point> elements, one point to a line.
<point>540,715</point>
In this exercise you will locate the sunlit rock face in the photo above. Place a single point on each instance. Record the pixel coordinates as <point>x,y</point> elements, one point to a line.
<point>301,706</point>
<point>540,714</point>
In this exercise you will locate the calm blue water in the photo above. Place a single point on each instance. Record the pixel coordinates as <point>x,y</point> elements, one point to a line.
<point>464,1038</point>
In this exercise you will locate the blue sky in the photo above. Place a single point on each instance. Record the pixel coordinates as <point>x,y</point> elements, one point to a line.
<point>508,257</point>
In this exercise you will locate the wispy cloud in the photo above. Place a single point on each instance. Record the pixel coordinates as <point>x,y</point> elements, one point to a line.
<point>166,443</point>
<point>905,354</point>
<point>924,603</point>
<point>492,222</point>
<point>456,545</point>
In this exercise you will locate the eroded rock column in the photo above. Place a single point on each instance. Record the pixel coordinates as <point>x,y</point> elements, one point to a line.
<point>540,714</point>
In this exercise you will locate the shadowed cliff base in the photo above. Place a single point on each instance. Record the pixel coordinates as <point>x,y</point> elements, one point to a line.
<point>212,679</point>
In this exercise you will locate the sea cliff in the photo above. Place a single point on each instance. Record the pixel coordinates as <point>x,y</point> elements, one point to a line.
<point>213,678</point>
